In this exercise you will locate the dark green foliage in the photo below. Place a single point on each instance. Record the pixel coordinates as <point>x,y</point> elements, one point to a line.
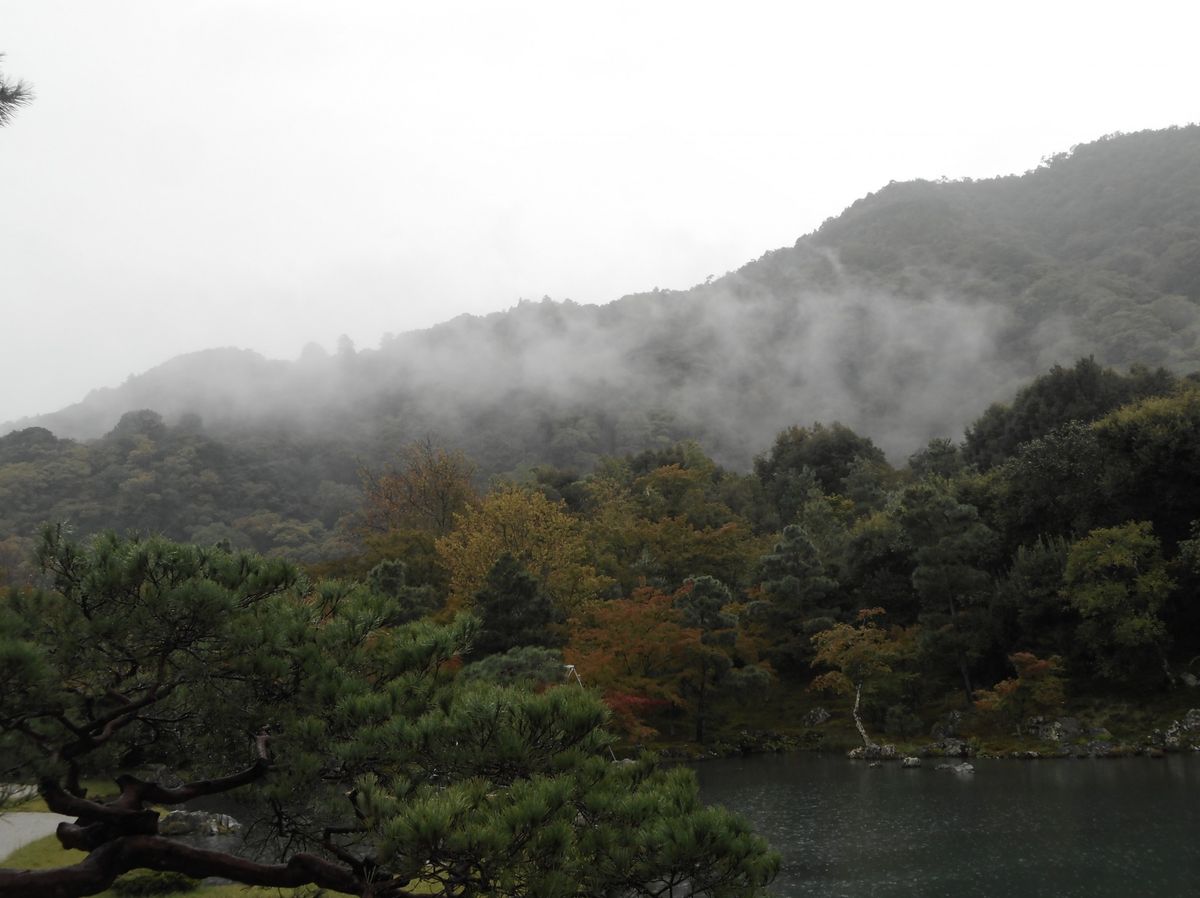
<point>1030,600</point>
<point>940,458</point>
<point>1153,463</point>
<point>1083,393</point>
<point>514,612</point>
<point>1054,485</point>
<point>364,751</point>
<point>798,592</point>
<point>703,608</point>
<point>952,550</point>
<point>828,455</point>
<point>1116,579</point>
<point>148,477</point>
<point>711,666</point>
<point>531,666</point>
<point>150,882</point>
<point>390,578</point>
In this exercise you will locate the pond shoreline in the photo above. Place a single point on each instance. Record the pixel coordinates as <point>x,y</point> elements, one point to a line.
<point>1044,739</point>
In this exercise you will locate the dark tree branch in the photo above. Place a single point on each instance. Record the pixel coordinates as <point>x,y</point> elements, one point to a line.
<point>97,823</point>
<point>135,791</point>
<point>99,869</point>
<point>107,726</point>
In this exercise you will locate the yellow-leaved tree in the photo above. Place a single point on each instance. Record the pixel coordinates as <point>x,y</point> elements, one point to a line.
<point>538,533</point>
<point>861,654</point>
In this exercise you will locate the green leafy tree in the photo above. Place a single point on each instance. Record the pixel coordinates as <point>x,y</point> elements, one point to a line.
<point>828,455</point>
<point>1082,393</point>
<point>864,657</point>
<point>1053,486</point>
<point>1030,604</point>
<point>1116,578</point>
<point>354,746</point>
<point>939,458</point>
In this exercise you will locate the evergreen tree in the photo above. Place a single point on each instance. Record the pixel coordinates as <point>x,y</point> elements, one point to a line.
<point>12,97</point>
<point>352,743</point>
<point>514,611</point>
<point>798,591</point>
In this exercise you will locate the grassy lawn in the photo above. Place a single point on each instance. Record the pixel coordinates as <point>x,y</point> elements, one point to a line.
<point>48,853</point>
<point>96,789</point>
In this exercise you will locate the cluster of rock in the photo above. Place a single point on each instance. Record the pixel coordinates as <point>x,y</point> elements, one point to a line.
<point>815,718</point>
<point>1181,735</point>
<point>197,823</point>
<point>11,793</point>
<point>1061,737</point>
<point>1063,729</point>
<point>1068,737</point>
<point>874,752</point>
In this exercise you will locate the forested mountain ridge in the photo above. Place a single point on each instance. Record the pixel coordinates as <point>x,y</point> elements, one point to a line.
<point>902,317</point>
<point>1049,558</point>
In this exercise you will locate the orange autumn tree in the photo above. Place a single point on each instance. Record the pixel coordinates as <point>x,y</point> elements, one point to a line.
<point>634,651</point>
<point>423,489</point>
<point>1036,689</point>
<point>655,650</point>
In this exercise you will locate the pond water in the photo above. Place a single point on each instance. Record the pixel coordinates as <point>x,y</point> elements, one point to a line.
<point>1064,828</point>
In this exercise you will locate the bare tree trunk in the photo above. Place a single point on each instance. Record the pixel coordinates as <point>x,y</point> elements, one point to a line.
<point>862,730</point>
<point>968,691</point>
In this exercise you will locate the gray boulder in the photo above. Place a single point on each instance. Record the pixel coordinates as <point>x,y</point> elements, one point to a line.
<point>873,753</point>
<point>947,727</point>
<point>197,823</point>
<point>815,717</point>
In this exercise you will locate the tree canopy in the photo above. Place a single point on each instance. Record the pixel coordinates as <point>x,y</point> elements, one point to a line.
<point>369,768</point>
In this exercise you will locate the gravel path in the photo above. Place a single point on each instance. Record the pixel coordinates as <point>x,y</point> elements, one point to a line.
<point>17,829</point>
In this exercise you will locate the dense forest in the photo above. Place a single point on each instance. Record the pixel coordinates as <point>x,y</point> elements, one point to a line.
<point>754,488</point>
<point>1057,542</point>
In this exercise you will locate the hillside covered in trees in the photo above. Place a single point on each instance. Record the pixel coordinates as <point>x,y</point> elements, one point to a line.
<point>756,487</point>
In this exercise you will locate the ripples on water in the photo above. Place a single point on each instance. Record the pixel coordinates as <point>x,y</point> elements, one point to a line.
<point>1093,829</point>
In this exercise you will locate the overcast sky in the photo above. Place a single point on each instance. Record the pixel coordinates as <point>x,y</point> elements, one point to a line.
<point>266,173</point>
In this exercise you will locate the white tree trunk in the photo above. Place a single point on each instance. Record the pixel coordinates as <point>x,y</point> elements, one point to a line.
<point>862,730</point>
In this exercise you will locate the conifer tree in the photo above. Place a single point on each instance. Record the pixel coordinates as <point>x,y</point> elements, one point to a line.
<point>352,745</point>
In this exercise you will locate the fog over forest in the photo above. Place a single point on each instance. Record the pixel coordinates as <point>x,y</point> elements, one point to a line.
<point>903,318</point>
<point>736,368</point>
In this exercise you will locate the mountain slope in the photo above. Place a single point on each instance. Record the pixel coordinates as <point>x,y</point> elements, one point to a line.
<point>902,318</point>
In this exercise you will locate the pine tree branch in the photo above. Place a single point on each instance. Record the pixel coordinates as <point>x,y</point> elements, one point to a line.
<point>142,791</point>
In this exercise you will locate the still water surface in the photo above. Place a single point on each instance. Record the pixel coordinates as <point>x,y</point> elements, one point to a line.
<point>1014,829</point>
